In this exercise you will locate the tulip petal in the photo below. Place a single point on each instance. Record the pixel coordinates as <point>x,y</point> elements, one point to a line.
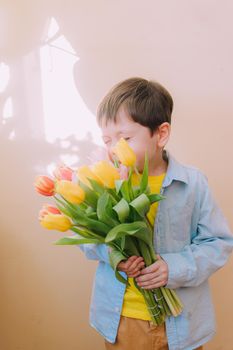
<point>56,222</point>
<point>124,153</point>
<point>107,173</point>
<point>72,192</point>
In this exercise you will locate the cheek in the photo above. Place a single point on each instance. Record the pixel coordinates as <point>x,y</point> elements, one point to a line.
<point>109,153</point>
<point>140,155</point>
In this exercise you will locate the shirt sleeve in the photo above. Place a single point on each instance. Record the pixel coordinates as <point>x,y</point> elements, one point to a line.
<point>95,251</point>
<point>209,249</point>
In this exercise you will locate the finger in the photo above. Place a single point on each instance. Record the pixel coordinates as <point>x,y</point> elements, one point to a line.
<point>133,275</point>
<point>132,258</point>
<point>152,268</point>
<point>154,283</point>
<point>124,264</point>
<point>146,278</point>
<point>136,265</point>
<point>136,270</point>
<point>161,272</point>
<point>141,265</point>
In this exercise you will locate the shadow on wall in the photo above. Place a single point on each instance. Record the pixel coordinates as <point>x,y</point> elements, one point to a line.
<point>34,123</point>
<point>44,120</point>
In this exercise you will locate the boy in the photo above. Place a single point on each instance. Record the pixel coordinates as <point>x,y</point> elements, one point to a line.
<point>191,235</point>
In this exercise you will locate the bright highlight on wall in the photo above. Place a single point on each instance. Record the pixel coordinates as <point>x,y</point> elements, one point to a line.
<point>4,76</point>
<point>65,113</point>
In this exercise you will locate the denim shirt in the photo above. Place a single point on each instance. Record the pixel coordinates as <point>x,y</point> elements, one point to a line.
<point>192,236</point>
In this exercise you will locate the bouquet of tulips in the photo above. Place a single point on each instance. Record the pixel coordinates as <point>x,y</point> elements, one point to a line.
<point>102,208</point>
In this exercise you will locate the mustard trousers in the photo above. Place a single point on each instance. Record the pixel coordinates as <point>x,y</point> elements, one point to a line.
<point>139,334</point>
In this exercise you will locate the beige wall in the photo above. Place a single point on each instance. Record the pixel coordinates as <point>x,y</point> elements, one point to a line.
<point>186,45</point>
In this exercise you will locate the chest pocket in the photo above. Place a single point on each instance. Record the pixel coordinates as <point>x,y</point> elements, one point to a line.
<point>180,223</point>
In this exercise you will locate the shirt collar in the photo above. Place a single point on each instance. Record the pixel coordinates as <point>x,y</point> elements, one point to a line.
<point>175,170</point>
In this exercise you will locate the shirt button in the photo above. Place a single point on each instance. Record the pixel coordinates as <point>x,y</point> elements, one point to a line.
<point>117,309</point>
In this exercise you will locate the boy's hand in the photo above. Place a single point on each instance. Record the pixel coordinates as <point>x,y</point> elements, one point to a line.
<point>154,276</point>
<point>132,266</point>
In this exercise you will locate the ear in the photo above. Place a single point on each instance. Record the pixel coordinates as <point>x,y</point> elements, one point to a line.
<point>163,133</point>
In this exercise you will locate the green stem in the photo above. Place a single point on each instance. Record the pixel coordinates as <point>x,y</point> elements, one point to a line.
<point>86,233</point>
<point>131,194</point>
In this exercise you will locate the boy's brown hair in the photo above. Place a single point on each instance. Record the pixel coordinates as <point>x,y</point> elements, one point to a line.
<point>146,102</point>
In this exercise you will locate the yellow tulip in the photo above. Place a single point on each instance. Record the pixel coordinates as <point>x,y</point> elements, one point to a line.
<point>106,173</point>
<point>124,153</point>
<point>58,222</point>
<point>84,172</point>
<point>72,192</point>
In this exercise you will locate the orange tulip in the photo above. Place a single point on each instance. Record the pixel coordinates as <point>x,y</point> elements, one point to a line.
<point>63,172</point>
<point>48,208</point>
<point>44,185</point>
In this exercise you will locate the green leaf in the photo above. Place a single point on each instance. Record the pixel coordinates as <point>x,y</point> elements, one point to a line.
<point>118,184</point>
<point>96,186</point>
<point>145,252</point>
<point>116,163</point>
<point>115,256</point>
<point>131,245</point>
<point>64,207</point>
<point>122,186</point>
<point>114,196</point>
<point>144,178</point>
<point>121,278</point>
<point>141,204</point>
<point>155,197</point>
<point>137,229</point>
<point>74,241</point>
<point>122,243</point>
<point>90,196</point>
<point>136,191</point>
<point>78,215</point>
<point>105,212</point>
<point>85,233</point>
<point>93,216</point>
<point>122,209</point>
<point>125,191</point>
<point>130,187</point>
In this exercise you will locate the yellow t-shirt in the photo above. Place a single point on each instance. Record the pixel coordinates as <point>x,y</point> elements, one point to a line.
<point>134,305</point>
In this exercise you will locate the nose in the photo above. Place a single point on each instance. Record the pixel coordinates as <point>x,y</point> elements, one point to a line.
<point>110,153</point>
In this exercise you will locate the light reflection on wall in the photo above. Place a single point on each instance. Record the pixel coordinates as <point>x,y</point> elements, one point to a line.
<point>65,113</point>
<point>7,110</point>
<point>4,76</point>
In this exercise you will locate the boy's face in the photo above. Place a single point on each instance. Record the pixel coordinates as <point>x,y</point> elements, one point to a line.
<point>138,137</point>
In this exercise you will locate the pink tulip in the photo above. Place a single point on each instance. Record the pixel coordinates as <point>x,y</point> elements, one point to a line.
<point>63,172</point>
